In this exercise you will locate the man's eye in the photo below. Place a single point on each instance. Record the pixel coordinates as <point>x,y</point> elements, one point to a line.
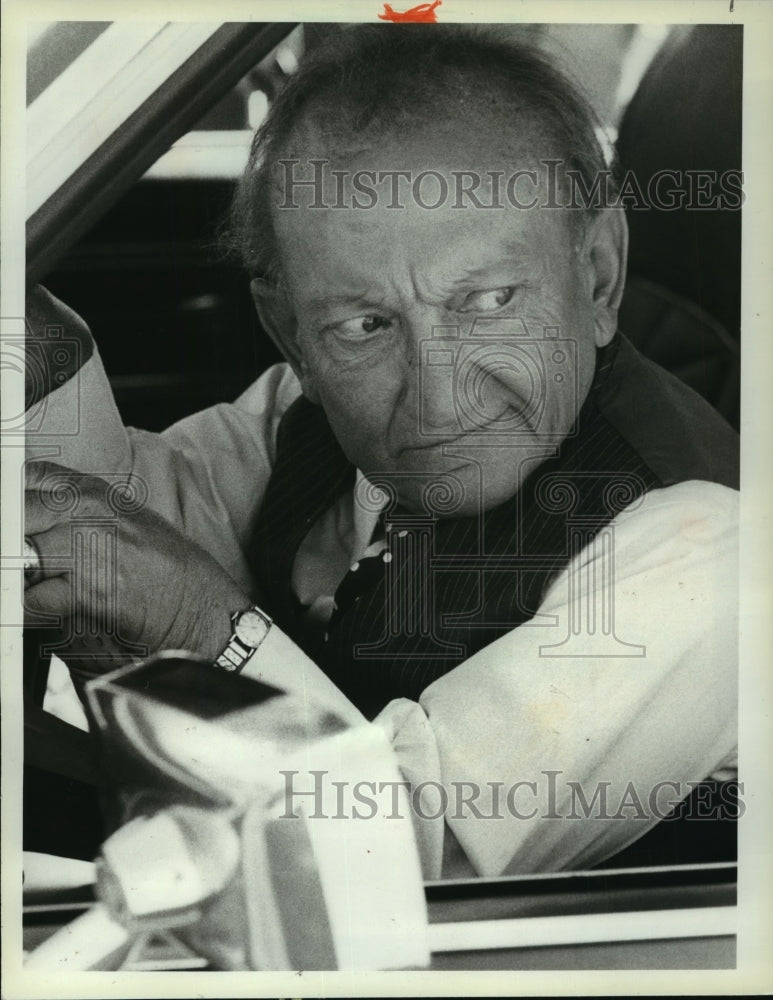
<point>362,326</point>
<point>488,301</point>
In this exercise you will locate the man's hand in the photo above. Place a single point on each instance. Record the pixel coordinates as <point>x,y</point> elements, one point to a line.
<point>122,578</point>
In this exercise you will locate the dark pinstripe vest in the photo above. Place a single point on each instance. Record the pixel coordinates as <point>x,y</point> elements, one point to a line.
<point>452,585</point>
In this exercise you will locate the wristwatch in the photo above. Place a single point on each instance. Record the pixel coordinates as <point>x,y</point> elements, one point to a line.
<point>250,628</point>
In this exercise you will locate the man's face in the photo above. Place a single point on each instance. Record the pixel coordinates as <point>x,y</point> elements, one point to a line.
<point>447,346</point>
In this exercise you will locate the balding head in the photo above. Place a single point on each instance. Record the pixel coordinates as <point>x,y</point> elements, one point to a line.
<point>371,82</point>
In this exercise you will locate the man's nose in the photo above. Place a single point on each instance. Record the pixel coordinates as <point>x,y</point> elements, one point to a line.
<point>431,373</point>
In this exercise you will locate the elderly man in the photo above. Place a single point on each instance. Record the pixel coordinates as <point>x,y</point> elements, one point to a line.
<point>465,500</point>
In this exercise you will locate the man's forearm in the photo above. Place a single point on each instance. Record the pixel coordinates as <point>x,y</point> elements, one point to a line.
<point>556,727</point>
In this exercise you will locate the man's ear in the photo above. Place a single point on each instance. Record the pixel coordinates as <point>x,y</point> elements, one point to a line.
<point>607,250</point>
<point>278,321</point>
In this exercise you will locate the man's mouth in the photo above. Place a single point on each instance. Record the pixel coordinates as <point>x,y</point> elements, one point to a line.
<point>433,443</point>
<point>499,425</point>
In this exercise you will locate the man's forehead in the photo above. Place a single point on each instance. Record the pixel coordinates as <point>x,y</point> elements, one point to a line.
<point>438,181</point>
<point>365,253</point>
<point>481,138</point>
<point>443,191</point>
<point>438,177</point>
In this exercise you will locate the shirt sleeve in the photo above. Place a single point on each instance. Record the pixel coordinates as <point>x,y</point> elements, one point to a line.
<point>567,739</point>
<point>206,474</point>
<point>571,744</point>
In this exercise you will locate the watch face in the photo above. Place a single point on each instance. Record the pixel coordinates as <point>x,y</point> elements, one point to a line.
<point>251,628</point>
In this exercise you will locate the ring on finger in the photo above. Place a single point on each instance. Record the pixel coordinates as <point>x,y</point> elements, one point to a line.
<point>33,566</point>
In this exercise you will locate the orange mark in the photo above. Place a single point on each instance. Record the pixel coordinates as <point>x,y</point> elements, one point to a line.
<point>423,14</point>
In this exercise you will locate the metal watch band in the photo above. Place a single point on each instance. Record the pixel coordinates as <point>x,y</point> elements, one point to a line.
<point>238,650</point>
<point>233,656</point>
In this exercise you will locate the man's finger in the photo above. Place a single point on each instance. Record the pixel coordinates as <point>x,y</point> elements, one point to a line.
<point>51,597</point>
<point>49,477</point>
<point>54,551</point>
<point>41,514</point>
<point>32,568</point>
<point>59,501</point>
<point>53,494</point>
